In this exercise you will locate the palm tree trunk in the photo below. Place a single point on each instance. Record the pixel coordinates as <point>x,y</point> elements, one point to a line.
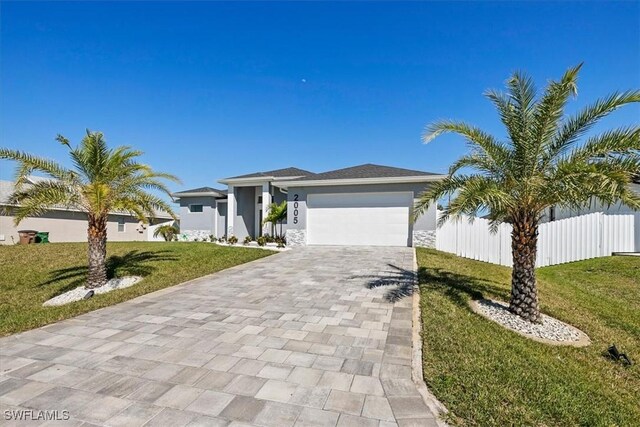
<point>97,234</point>
<point>524,291</point>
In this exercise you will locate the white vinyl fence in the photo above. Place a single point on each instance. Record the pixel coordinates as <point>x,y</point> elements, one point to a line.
<point>566,240</point>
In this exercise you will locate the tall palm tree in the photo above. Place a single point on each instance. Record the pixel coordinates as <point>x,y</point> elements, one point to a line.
<point>277,214</point>
<point>102,180</point>
<point>545,160</point>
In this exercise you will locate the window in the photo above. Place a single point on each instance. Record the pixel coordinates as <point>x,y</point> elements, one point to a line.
<point>552,213</point>
<point>195,208</point>
<point>121,225</point>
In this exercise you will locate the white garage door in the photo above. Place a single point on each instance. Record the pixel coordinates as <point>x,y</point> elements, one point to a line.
<point>376,219</point>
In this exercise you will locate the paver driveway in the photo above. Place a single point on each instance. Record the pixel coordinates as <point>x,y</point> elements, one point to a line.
<point>306,337</point>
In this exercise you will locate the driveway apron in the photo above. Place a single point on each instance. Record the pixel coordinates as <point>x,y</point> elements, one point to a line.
<point>316,336</point>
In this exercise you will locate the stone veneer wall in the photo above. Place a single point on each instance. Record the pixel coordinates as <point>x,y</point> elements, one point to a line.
<point>191,235</point>
<point>425,239</point>
<point>296,238</point>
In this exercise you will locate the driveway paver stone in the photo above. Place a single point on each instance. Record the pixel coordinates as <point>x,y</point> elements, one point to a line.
<point>316,336</point>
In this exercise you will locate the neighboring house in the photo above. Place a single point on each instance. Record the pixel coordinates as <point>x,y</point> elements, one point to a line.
<point>361,205</point>
<point>203,212</point>
<point>70,225</point>
<point>556,213</point>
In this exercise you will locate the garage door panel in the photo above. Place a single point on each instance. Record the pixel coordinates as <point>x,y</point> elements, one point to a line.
<point>380,219</point>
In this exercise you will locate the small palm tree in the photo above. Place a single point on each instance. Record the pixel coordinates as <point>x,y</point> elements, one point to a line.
<point>102,180</point>
<point>277,214</point>
<point>168,232</point>
<point>542,162</point>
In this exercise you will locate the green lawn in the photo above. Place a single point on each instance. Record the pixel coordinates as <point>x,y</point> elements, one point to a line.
<point>31,274</point>
<point>487,375</point>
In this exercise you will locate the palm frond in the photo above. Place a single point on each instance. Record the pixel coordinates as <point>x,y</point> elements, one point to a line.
<point>143,205</point>
<point>40,197</point>
<point>167,231</point>
<point>277,213</point>
<point>617,142</point>
<point>550,109</point>
<point>478,161</point>
<point>507,111</point>
<point>29,163</point>
<point>479,193</point>
<point>475,137</point>
<point>471,193</point>
<point>575,181</point>
<point>577,125</point>
<point>522,93</point>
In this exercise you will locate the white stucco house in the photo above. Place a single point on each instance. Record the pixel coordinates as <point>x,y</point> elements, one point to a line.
<point>361,205</point>
<point>557,213</point>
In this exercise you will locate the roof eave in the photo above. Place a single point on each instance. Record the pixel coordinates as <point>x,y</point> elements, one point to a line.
<point>246,181</point>
<point>204,194</point>
<point>257,179</point>
<point>361,181</point>
<point>64,209</point>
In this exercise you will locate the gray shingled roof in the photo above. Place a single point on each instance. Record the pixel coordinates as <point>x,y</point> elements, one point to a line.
<point>278,173</point>
<point>201,190</point>
<point>365,171</point>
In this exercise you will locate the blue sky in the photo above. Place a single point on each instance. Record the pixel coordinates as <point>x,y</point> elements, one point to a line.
<point>210,90</point>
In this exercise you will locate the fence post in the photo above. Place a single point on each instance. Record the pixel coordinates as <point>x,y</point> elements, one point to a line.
<point>601,243</point>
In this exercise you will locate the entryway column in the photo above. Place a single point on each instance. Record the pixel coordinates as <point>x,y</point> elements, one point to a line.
<point>266,202</point>
<point>231,209</point>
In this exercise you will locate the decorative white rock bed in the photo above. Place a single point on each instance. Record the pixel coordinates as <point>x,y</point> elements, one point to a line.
<point>78,293</point>
<point>254,245</point>
<point>550,331</point>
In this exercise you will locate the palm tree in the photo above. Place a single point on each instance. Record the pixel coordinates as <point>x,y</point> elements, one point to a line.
<point>102,180</point>
<point>545,160</point>
<point>168,232</point>
<point>277,214</point>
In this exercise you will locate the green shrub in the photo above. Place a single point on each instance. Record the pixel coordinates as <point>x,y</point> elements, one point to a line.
<point>232,240</point>
<point>247,240</point>
<point>262,240</point>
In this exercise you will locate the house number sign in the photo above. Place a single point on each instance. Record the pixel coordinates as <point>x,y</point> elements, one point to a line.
<point>295,208</point>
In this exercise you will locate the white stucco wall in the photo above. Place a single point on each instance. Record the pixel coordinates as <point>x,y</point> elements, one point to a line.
<point>204,220</point>
<point>65,226</point>
<point>594,206</point>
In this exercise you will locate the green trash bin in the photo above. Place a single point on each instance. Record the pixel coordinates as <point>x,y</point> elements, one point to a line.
<point>42,237</point>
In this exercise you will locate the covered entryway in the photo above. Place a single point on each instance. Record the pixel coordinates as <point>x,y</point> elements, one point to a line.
<point>361,219</point>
